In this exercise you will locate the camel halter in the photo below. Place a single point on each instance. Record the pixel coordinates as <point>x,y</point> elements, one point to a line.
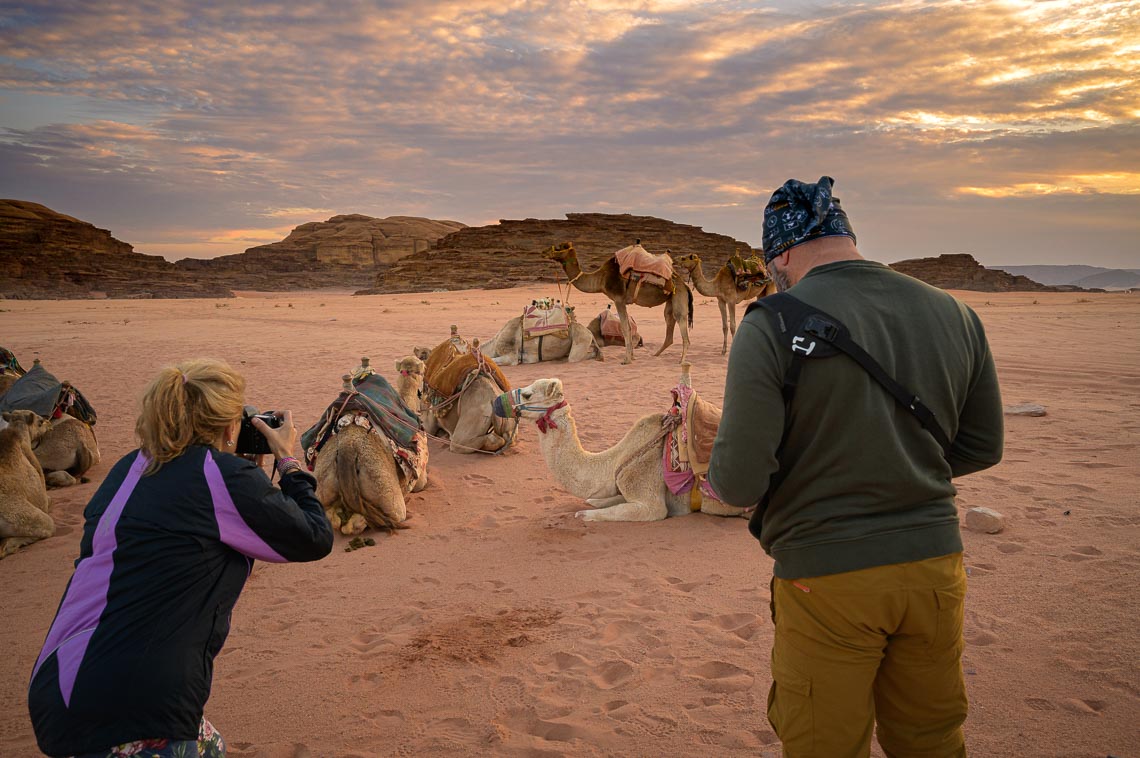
<point>508,405</point>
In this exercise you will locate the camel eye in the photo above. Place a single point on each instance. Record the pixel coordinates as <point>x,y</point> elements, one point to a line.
<point>527,395</point>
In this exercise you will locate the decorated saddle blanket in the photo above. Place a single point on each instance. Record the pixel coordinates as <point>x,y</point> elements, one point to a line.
<point>375,405</point>
<point>543,318</point>
<point>747,272</point>
<point>688,448</point>
<point>448,371</point>
<point>41,392</point>
<point>636,259</point>
<point>610,325</point>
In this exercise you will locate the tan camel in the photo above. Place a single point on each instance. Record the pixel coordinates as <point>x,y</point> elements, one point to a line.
<point>358,480</point>
<point>464,412</point>
<point>67,451</point>
<point>577,345</point>
<point>607,279</point>
<point>24,502</point>
<point>723,288</point>
<point>623,483</point>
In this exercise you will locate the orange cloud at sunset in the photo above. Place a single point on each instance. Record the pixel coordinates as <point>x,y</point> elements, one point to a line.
<point>146,118</point>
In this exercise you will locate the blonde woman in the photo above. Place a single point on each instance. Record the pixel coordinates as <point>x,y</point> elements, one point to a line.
<point>169,539</point>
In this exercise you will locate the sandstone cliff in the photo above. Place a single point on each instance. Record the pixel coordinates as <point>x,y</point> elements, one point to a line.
<point>961,272</point>
<point>344,251</point>
<point>44,254</point>
<point>509,253</point>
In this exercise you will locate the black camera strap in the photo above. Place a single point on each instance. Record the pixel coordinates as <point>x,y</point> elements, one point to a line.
<point>811,333</point>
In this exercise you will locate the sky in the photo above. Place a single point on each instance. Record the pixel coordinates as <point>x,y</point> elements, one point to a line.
<point>1006,129</point>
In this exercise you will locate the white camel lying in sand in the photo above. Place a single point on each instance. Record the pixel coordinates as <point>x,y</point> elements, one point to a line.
<point>623,483</point>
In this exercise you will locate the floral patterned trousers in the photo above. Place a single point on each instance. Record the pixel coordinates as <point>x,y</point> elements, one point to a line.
<point>208,745</point>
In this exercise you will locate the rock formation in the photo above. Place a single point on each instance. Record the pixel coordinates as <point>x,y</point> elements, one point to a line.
<point>45,254</point>
<point>344,251</point>
<point>509,253</point>
<point>961,272</point>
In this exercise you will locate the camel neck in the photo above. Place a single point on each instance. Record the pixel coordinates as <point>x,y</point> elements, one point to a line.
<point>564,455</point>
<point>703,285</point>
<point>583,281</point>
<point>409,392</point>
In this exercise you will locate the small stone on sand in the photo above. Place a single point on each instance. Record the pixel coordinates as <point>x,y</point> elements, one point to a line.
<point>984,520</point>
<point>1025,409</point>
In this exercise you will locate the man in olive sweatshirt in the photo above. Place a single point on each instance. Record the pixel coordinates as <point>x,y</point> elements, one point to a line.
<point>868,591</point>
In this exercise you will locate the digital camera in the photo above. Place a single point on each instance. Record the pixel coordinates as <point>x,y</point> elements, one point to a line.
<point>250,441</point>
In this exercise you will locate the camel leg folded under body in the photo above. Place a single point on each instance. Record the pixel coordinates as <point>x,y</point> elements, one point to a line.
<point>23,524</point>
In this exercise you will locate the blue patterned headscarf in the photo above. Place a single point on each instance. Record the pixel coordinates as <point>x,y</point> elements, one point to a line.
<point>799,213</point>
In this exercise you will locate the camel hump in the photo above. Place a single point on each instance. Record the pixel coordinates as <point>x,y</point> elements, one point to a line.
<point>637,258</point>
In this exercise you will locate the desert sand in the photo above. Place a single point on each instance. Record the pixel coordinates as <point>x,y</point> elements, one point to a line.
<point>498,624</point>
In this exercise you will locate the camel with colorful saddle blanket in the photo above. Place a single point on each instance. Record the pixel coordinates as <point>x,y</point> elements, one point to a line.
<point>625,283</point>
<point>606,328</point>
<point>546,331</point>
<point>369,449</point>
<point>654,472</point>
<point>68,450</point>
<point>738,280</point>
<point>460,383</point>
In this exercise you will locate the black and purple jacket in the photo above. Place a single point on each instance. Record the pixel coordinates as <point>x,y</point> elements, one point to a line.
<point>163,559</point>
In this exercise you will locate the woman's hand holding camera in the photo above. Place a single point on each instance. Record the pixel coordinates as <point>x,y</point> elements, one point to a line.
<point>282,440</point>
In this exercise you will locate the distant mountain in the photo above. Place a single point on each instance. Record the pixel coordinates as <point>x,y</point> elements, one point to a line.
<point>959,271</point>
<point>45,254</point>
<point>1079,276</point>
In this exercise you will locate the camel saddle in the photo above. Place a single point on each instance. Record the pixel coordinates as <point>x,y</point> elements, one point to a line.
<point>543,318</point>
<point>42,393</point>
<point>747,272</point>
<point>375,405</point>
<point>639,266</point>
<point>610,325</point>
<point>449,370</point>
<point>689,443</point>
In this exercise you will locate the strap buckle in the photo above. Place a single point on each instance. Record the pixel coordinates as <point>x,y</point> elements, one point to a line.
<point>822,328</point>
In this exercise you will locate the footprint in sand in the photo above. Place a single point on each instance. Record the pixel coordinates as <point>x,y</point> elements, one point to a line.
<point>980,569</point>
<point>981,638</point>
<point>743,625</point>
<point>1040,704</point>
<point>1075,705</point>
<point>722,676</point>
<point>477,479</point>
<point>1010,547</point>
<point>611,674</point>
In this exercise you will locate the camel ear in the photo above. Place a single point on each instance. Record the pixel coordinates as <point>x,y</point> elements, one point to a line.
<point>6,415</point>
<point>556,387</point>
<point>398,365</point>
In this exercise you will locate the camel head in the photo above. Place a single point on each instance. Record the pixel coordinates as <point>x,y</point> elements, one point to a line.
<point>411,365</point>
<point>421,352</point>
<point>538,396</point>
<point>688,261</point>
<point>560,253</point>
<point>36,425</point>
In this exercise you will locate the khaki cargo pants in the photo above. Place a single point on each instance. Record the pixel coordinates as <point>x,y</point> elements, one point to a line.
<point>880,644</point>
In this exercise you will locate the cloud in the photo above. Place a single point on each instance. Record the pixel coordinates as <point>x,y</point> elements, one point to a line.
<point>207,117</point>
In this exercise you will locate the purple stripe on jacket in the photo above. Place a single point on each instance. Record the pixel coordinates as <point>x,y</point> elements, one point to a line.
<point>231,526</point>
<point>86,595</point>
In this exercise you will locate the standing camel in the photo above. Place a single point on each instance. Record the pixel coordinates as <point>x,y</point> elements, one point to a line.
<point>723,288</point>
<point>607,279</point>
